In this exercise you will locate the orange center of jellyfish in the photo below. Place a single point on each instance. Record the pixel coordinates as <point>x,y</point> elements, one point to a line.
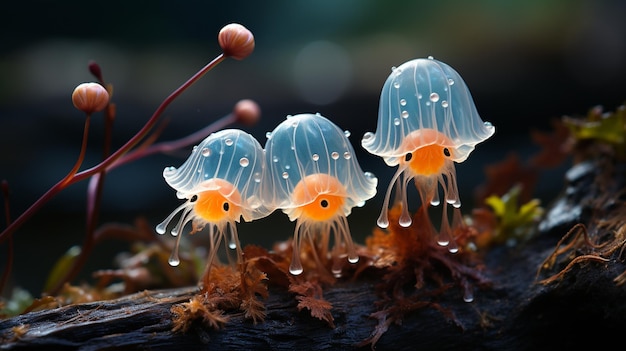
<point>322,197</point>
<point>427,151</point>
<point>219,202</point>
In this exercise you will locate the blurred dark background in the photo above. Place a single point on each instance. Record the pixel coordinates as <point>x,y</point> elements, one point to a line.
<point>525,62</point>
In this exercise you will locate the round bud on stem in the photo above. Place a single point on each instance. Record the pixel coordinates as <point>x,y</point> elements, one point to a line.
<point>247,112</point>
<point>236,41</point>
<point>90,97</point>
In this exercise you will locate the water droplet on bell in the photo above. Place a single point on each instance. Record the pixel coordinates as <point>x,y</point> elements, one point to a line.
<point>257,177</point>
<point>346,133</point>
<point>244,162</point>
<point>450,81</point>
<point>434,97</point>
<point>206,152</point>
<point>405,114</point>
<point>228,142</point>
<point>396,85</point>
<point>275,159</point>
<point>347,155</point>
<point>334,155</point>
<point>402,102</point>
<point>315,157</point>
<point>396,122</point>
<point>285,175</point>
<point>268,135</point>
<point>368,136</point>
<point>354,259</point>
<point>444,104</point>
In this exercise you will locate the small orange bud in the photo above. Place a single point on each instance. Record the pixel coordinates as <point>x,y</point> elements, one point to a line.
<point>247,112</point>
<point>236,41</point>
<point>90,97</point>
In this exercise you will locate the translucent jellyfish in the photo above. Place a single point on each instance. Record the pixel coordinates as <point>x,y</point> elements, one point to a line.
<point>316,180</point>
<point>221,182</point>
<point>427,120</point>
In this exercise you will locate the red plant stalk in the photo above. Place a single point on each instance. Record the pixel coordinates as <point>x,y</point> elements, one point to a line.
<point>76,177</point>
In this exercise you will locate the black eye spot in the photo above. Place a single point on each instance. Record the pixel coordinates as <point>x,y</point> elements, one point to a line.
<point>226,206</point>
<point>324,203</point>
<point>408,157</point>
<point>194,198</point>
<point>446,152</point>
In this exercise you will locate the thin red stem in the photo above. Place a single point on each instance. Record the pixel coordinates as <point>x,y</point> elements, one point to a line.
<point>81,155</point>
<point>94,200</point>
<point>178,144</point>
<point>113,157</point>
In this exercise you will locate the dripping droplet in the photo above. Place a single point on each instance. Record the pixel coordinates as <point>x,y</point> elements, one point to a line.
<point>405,222</point>
<point>160,229</point>
<point>347,133</point>
<point>468,296</point>
<point>194,148</point>
<point>368,136</point>
<point>174,260</point>
<point>268,135</point>
<point>383,222</point>
<point>295,270</point>
<point>443,242</point>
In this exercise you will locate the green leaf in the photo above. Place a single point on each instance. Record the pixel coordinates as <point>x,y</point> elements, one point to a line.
<point>61,267</point>
<point>514,221</point>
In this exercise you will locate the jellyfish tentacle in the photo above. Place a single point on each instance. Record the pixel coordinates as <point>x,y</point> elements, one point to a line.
<point>383,219</point>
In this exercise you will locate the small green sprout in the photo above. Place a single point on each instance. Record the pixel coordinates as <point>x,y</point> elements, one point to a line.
<point>514,221</point>
<point>603,127</point>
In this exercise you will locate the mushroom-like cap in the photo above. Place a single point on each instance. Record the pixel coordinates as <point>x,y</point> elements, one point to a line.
<point>426,94</point>
<point>308,144</point>
<point>232,155</point>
